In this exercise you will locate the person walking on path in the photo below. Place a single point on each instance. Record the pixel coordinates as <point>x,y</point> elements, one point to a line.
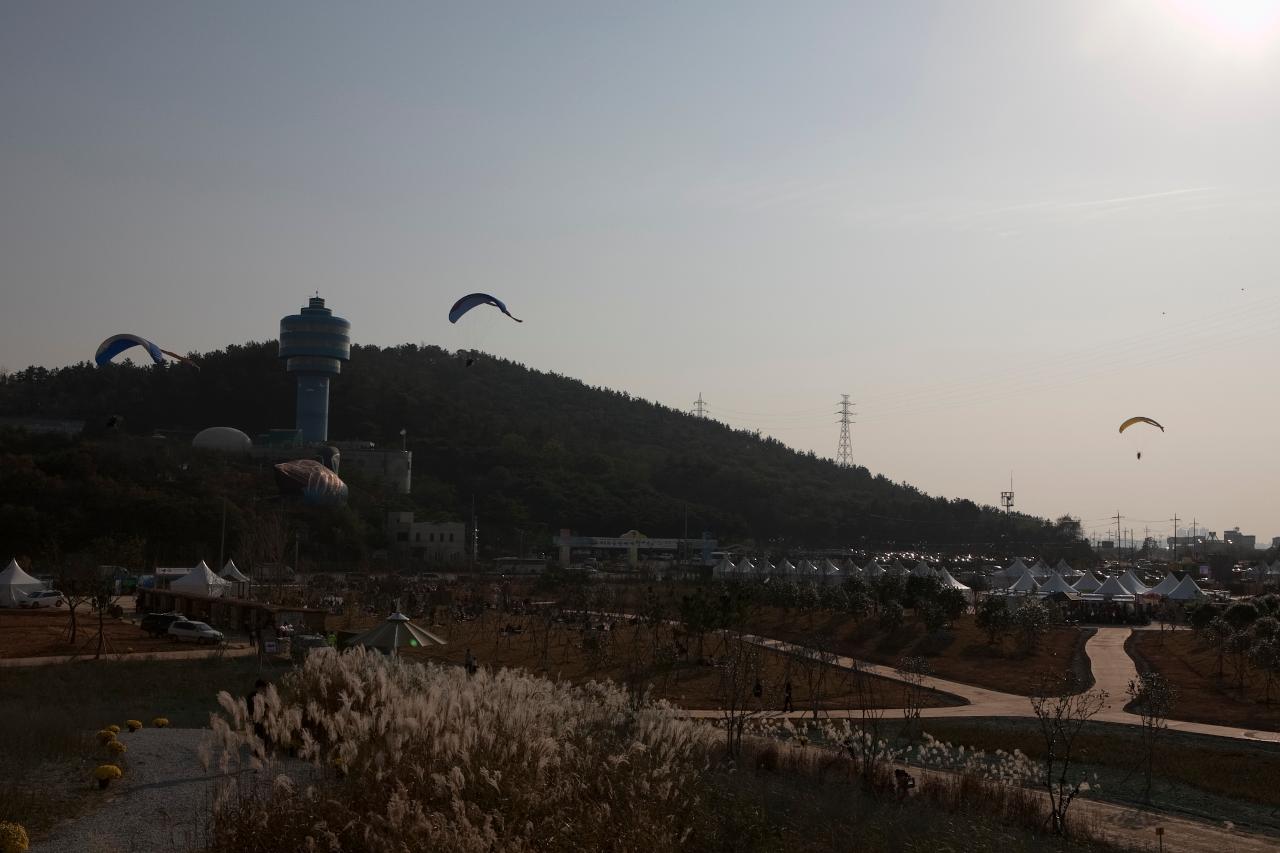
<point>471,664</point>
<point>786,697</point>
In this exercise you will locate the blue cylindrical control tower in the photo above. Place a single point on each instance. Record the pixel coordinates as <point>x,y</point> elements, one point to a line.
<point>314,343</point>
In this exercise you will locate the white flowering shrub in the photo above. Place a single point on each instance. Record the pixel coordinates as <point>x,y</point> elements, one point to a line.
<point>356,752</point>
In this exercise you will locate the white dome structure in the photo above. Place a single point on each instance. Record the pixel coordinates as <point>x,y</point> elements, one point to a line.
<point>222,440</point>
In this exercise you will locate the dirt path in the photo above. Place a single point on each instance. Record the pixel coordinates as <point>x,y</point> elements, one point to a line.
<point>237,651</point>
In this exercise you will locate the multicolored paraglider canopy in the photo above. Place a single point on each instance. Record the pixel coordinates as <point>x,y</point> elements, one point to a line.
<point>116,344</point>
<point>473,300</point>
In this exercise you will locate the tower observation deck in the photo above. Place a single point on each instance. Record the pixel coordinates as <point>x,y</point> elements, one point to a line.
<point>313,344</point>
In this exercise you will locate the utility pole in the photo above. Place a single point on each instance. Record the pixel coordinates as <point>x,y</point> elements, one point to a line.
<point>1119,534</point>
<point>1173,557</point>
<point>699,407</point>
<point>844,452</point>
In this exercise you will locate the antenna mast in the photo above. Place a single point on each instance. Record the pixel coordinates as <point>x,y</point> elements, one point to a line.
<point>1006,498</point>
<point>844,452</point>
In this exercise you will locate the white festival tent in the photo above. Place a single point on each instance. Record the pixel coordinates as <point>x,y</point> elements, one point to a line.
<point>232,575</point>
<point>1188,590</point>
<point>1166,586</point>
<point>873,571</point>
<point>1130,581</point>
<point>1088,582</point>
<point>1041,571</point>
<point>1113,590</point>
<point>397,632</point>
<point>1063,567</point>
<point>785,567</point>
<point>16,585</point>
<point>202,581</point>
<point>849,568</point>
<point>764,567</point>
<point>1009,575</point>
<point>1025,584</point>
<point>744,567</point>
<point>830,571</point>
<point>897,570</point>
<point>1056,583</point>
<point>724,568</point>
<point>807,569</point>
<point>922,570</point>
<point>949,582</point>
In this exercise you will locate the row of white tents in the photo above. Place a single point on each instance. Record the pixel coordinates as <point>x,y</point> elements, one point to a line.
<point>1020,579</point>
<point>202,581</point>
<point>827,571</point>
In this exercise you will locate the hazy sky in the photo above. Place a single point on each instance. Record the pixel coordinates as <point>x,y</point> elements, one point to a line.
<point>1000,227</point>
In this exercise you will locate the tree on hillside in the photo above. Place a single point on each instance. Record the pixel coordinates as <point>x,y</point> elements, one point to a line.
<point>1061,714</point>
<point>1152,697</point>
<point>739,674</point>
<point>993,618</point>
<point>1031,621</point>
<point>913,670</point>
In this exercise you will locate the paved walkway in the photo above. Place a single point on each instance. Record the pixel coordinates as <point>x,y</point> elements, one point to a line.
<point>1112,671</point>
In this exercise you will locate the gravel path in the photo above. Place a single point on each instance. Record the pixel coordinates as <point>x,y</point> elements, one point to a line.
<point>161,805</point>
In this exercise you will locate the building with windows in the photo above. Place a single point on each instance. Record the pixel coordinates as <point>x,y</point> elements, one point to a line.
<point>1242,541</point>
<point>432,541</point>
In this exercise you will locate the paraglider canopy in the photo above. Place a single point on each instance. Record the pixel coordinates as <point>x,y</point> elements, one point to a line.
<point>116,344</point>
<point>473,300</point>
<point>1139,420</point>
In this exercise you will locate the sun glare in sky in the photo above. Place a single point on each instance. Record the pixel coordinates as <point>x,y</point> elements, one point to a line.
<point>1242,23</point>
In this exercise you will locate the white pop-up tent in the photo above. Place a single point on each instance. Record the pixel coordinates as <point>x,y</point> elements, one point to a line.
<point>201,581</point>
<point>1041,571</point>
<point>1063,567</point>
<point>1056,583</point>
<point>397,632</point>
<point>1088,582</point>
<point>1113,590</point>
<point>785,567</point>
<point>764,567</point>
<point>1025,585</point>
<point>873,571</point>
<point>723,569</point>
<point>949,582</point>
<point>1188,590</point>
<point>923,570</point>
<point>1166,586</point>
<point>1130,581</point>
<point>849,569</point>
<point>239,583</point>
<point>745,568</point>
<point>1009,575</point>
<point>16,585</point>
<point>896,569</point>
<point>830,571</point>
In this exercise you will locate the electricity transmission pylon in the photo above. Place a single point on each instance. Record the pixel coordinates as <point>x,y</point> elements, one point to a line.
<point>844,453</point>
<point>699,407</point>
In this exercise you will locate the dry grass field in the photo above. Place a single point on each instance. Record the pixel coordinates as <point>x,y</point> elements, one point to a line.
<point>43,633</point>
<point>1202,696</point>
<point>626,654</point>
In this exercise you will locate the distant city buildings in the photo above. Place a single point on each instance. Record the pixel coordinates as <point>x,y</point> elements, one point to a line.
<point>1242,541</point>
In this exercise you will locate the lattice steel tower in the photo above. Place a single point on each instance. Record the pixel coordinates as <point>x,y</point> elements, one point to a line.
<point>699,407</point>
<point>844,453</point>
<point>313,344</point>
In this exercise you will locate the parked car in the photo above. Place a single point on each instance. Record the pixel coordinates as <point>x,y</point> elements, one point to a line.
<point>302,645</point>
<point>157,624</point>
<point>195,632</point>
<point>43,598</point>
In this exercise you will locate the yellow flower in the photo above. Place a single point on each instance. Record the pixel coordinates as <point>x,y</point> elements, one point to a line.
<point>13,838</point>
<point>160,722</point>
<point>107,772</point>
<point>117,748</point>
<point>133,725</point>
<point>114,729</point>
<point>106,736</point>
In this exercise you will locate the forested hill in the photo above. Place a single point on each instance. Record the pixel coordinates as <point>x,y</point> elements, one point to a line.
<point>538,451</point>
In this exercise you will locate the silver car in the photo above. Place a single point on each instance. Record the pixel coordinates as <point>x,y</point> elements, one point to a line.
<point>195,632</point>
<point>43,598</point>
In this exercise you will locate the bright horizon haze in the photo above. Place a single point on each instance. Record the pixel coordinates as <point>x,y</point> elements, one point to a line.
<point>1001,228</point>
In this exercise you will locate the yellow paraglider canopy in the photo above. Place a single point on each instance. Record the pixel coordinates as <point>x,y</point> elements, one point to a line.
<point>1139,420</point>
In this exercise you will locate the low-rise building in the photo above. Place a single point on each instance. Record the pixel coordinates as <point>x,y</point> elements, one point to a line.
<point>432,541</point>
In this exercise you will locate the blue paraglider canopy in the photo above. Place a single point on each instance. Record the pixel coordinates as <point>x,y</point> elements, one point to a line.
<point>116,344</point>
<point>471,300</point>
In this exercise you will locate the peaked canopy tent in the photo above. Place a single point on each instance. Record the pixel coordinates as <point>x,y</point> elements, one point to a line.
<point>1088,582</point>
<point>1113,590</point>
<point>1063,567</point>
<point>949,582</point>
<point>873,570</point>
<point>201,581</point>
<point>16,585</point>
<point>722,569</point>
<point>807,569</point>
<point>848,568</point>
<point>1009,575</point>
<point>829,571</point>
<point>785,567</point>
<point>239,583</point>
<point>923,570</point>
<point>1041,571</point>
<point>764,567</point>
<point>745,568</point>
<point>1130,581</point>
<point>897,569</point>
<point>1166,586</point>
<point>1187,590</point>
<point>397,632</point>
<point>1057,584</point>
<point>1025,585</point>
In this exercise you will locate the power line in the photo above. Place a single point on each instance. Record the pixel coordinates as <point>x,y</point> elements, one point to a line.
<point>844,453</point>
